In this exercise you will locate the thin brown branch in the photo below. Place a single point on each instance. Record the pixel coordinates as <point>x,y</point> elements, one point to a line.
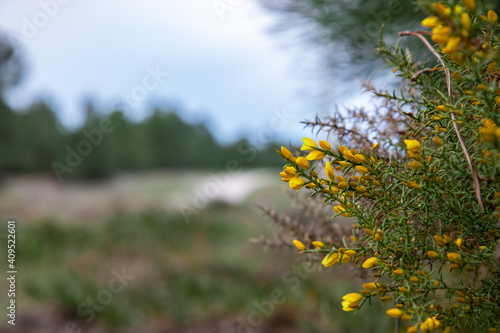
<point>455,125</point>
<point>423,71</point>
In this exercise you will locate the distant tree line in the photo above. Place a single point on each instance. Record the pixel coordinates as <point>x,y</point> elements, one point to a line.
<point>34,141</point>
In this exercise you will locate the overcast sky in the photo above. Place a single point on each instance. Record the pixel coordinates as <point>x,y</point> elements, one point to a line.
<point>219,64</point>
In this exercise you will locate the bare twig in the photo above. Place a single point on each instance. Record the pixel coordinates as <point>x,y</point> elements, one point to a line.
<point>455,126</point>
<point>423,71</point>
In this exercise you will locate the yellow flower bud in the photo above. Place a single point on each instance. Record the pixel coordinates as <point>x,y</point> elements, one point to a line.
<point>315,155</point>
<point>442,9</point>
<point>413,145</point>
<point>433,323</point>
<point>453,256</point>
<point>299,245</point>
<point>343,185</point>
<point>360,158</point>
<point>370,262</point>
<point>394,313</point>
<point>329,171</point>
<point>452,45</point>
<point>398,272</point>
<point>437,140</point>
<point>350,253</point>
<point>362,170</point>
<point>286,153</point>
<point>442,108</point>
<point>325,145</point>
<point>370,286</point>
<point>342,211</point>
<point>438,238</point>
<point>318,244</point>
<point>432,254</point>
<point>412,329</point>
<point>302,162</point>
<point>492,16</point>
<point>465,21</point>
<point>413,184</point>
<point>345,258</point>
<point>415,165</point>
<point>330,259</point>
<point>431,22</point>
<point>290,171</point>
<point>351,301</point>
<point>470,5</point>
<point>386,298</point>
<point>296,183</point>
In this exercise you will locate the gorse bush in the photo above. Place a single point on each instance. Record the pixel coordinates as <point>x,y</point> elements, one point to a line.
<point>425,198</point>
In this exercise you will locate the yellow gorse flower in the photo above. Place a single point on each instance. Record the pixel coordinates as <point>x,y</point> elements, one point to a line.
<point>296,183</point>
<point>413,145</point>
<point>453,256</point>
<point>370,262</point>
<point>465,21</point>
<point>412,184</point>
<point>433,254</point>
<point>325,145</point>
<point>350,253</point>
<point>341,210</point>
<point>371,286</point>
<point>362,169</point>
<point>441,34</point>
<point>438,141</point>
<point>329,171</point>
<point>470,5</point>
<point>431,22</point>
<point>351,301</point>
<point>308,144</point>
<point>452,45</point>
<point>315,155</point>
<point>330,259</point>
<point>442,10</point>
<point>299,245</point>
<point>394,313</point>
<point>415,165</point>
<point>488,131</point>
<point>432,323</point>
<point>302,162</point>
<point>318,244</point>
<point>286,153</point>
<point>492,16</point>
<point>290,171</point>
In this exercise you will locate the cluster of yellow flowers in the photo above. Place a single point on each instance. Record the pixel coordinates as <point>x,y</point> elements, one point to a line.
<point>346,190</point>
<point>413,212</point>
<point>298,172</point>
<point>451,27</point>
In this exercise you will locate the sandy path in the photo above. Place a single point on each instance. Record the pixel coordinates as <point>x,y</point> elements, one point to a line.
<point>31,198</point>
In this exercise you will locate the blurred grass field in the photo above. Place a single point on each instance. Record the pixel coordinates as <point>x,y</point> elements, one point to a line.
<point>201,275</point>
